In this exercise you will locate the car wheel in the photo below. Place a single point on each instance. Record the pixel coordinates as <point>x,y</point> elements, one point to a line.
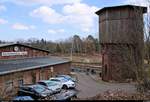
<point>64,87</point>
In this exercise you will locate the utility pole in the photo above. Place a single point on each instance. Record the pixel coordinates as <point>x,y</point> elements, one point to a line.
<point>71,49</point>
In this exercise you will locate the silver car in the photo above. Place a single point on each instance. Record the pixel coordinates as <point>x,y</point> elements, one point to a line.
<point>54,86</point>
<point>64,82</point>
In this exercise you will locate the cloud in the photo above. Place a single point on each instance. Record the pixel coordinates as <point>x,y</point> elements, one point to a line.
<point>138,2</point>
<point>55,31</point>
<point>43,2</point>
<point>3,21</point>
<point>81,15</point>
<point>19,26</point>
<point>78,15</point>
<point>2,8</point>
<point>47,14</point>
<point>32,27</point>
<point>61,30</point>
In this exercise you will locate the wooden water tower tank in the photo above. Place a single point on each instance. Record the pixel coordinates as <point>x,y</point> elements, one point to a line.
<point>121,38</point>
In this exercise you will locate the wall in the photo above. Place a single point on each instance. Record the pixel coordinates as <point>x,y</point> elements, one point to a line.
<point>120,63</point>
<point>121,25</point>
<point>9,83</point>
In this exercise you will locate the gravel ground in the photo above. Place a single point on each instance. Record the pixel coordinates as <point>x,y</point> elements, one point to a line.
<point>90,86</point>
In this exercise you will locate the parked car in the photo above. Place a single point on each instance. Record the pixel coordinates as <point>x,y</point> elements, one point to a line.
<point>67,77</point>
<point>35,91</point>
<point>52,85</point>
<point>64,82</point>
<point>66,95</point>
<point>23,98</point>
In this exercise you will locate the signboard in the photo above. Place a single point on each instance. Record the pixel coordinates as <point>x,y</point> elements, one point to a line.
<point>16,48</point>
<point>14,53</point>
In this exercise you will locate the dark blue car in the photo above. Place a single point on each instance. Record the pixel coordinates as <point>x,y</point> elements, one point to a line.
<point>35,91</point>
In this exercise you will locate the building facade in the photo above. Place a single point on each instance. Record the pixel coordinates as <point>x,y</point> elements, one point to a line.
<point>121,38</point>
<point>22,64</point>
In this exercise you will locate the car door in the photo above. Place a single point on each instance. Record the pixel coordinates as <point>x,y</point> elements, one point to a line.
<point>25,91</point>
<point>32,92</point>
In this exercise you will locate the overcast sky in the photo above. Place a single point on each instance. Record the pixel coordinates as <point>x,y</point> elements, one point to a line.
<point>52,19</point>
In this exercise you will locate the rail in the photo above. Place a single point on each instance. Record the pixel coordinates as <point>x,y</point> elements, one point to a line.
<point>87,65</point>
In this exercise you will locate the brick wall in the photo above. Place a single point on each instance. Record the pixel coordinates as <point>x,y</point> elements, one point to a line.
<point>118,62</point>
<point>65,69</point>
<point>11,81</point>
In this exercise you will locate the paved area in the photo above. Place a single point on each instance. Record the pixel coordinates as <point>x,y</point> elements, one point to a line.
<point>88,86</point>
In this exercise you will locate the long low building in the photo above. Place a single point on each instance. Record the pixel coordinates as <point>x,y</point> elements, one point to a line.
<point>22,64</point>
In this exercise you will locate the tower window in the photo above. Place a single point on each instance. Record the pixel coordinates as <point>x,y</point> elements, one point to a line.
<point>106,69</point>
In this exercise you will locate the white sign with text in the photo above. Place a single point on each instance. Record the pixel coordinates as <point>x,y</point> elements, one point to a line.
<point>14,53</point>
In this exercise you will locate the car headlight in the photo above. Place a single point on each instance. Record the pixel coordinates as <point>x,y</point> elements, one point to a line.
<point>71,84</point>
<point>43,95</point>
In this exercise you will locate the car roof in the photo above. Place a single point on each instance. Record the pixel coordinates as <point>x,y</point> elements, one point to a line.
<point>64,75</point>
<point>59,78</point>
<point>31,85</point>
<point>45,81</point>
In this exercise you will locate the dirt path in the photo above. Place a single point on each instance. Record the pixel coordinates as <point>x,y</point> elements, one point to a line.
<point>88,87</point>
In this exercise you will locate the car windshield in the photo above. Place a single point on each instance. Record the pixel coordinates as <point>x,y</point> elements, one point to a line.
<point>68,78</point>
<point>64,80</point>
<point>51,83</point>
<point>39,89</point>
<point>65,76</point>
<point>55,80</point>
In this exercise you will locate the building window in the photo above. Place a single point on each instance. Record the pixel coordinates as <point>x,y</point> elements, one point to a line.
<point>102,59</point>
<point>42,74</point>
<point>52,69</point>
<point>34,53</point>
<point>20,82</point>
<point>33,74</point>
<point>106,69</point>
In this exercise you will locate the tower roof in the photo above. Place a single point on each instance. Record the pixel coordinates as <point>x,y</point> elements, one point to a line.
<point>144,9</point>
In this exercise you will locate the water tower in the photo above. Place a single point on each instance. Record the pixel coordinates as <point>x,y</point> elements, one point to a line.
<point>121,38</point>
